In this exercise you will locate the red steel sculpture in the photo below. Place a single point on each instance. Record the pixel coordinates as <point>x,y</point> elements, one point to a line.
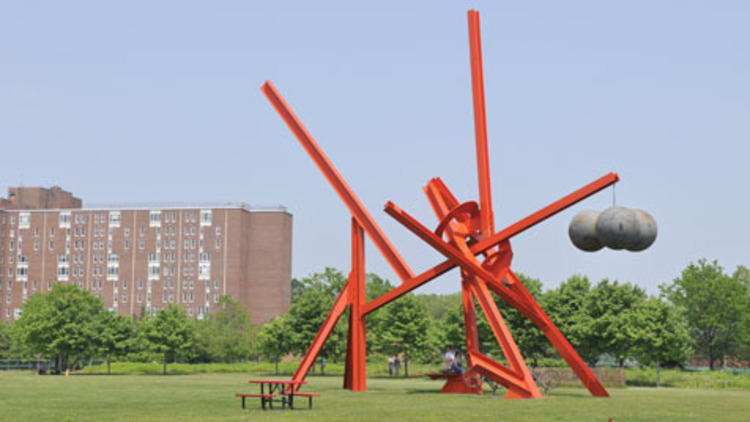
<point>467,238</point>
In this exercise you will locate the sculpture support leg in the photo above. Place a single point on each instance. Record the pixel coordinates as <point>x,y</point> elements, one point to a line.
<point>508,345</point>
<point>561,344</point>
<point>355,377</point>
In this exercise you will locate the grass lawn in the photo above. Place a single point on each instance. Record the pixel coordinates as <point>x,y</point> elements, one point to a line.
<point>210,397</point>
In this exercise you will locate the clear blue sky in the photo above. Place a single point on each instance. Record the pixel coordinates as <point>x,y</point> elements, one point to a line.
<point>160,101</point>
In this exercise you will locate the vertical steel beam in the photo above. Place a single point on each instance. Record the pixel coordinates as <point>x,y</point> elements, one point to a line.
<point>356,365</point>
<point>338,183</point>
<point>480,126</point>
<point>470,321</point>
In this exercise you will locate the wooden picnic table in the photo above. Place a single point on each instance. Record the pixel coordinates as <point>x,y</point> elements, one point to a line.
<point>283,387</point>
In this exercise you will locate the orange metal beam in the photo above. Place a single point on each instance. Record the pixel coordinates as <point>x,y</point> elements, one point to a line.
<point>547,212</point>
<point>470,319</point>
<point>498,373</point>
<point>480,126</point>
<point>563,347</point>
<point>338,183</point>
<point>505,234</point>
<point>356,365</point>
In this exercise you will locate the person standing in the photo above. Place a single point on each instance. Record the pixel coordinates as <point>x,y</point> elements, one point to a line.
<point>397,364</point>
<point>449,361</point>
<point>391,360</point>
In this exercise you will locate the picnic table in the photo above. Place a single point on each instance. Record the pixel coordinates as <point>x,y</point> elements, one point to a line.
<point>275,388</point>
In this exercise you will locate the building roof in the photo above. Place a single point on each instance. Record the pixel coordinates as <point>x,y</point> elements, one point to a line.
<point>146,206</point>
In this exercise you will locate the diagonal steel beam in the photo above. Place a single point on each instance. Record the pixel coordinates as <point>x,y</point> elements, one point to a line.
<point>338,183</point>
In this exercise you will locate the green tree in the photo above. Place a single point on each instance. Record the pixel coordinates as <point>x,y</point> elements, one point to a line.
<point>227,334</point>
<point>716,304</point>
<point>169,333</point>
<point>661,334</point>
<point>404,329</point>
<point>606,325</point>
<point>564,305</point>
<point>438,306</point>
<point>275,340</point>
<point>60,324</point>
<point>113,336</point>
<point>309,309</point>
<point>6,340</point>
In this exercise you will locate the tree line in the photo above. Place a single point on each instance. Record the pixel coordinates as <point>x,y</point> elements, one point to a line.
<point>703,313</point>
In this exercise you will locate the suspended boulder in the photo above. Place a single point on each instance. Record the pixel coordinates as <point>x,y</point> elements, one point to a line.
<point>617,228</point>
<point>582,231</point>
<point>646,230</point>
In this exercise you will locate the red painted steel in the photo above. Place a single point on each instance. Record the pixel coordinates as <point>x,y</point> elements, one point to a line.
<point>356,372</point>
<point>483,255</point>
<point>480,125</point>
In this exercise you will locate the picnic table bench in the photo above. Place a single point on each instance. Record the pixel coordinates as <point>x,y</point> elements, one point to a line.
<point>264,398</point>
<point>284,388</point>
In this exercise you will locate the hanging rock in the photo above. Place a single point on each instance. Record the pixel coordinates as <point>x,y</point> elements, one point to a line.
<point>582,231</point>
<point>617,228</point>
<point>646,230</point>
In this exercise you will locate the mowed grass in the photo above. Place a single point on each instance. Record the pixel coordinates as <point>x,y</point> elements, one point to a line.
<point>210,397</point>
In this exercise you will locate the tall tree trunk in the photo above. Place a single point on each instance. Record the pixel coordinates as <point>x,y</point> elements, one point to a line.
<point>276,365</point>
<point>711,357</point>
<point>109,365</point>
<point>658,369</point>
<point>406,365</point>
<point>164,371</point>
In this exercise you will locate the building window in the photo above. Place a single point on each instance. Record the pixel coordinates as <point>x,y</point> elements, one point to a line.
<point>154,219</point>
<point>24,220</point>
<point>205,218</point>
<point>64,220</point>
<point>114,219</point>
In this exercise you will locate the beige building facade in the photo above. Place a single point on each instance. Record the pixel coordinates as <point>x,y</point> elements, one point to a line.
<point>139,259</point>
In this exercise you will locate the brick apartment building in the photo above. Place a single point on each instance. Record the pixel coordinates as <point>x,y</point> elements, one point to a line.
<point>139,259</point>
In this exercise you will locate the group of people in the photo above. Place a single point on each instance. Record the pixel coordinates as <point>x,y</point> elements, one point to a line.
<point>451,363</point>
